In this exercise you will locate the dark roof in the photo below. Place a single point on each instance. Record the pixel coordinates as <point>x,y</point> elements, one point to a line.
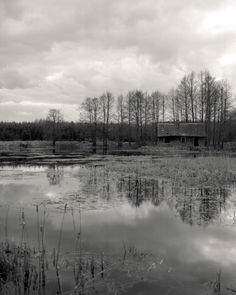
<point>181,129</point>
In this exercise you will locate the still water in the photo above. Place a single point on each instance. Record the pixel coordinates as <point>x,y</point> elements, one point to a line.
<point>179,237</point>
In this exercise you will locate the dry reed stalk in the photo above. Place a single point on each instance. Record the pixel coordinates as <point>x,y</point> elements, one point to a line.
<point>42,230</point>
<point>58,252</point>
<point>39,251</point>
<point>6,225</point>
<point>217,284</point>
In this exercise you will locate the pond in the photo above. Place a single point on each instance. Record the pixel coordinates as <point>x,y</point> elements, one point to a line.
<point>149,236</point>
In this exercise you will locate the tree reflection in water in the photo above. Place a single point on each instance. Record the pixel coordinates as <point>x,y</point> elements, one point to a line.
<point>97,181</point>
<point>195,206</point>
<point>55,174</point>
<point>139,190</point>
<point>96,187</point>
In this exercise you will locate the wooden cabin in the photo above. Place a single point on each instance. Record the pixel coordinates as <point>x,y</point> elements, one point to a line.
<point>192,134</point>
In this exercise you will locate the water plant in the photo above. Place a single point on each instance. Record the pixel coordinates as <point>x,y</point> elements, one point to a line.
<point>27,270</point>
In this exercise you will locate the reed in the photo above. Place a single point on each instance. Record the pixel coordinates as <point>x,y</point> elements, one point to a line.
<point>207,171</point>
<point>216,290</point>
<point>17,270</point>
<point>24,270</point>
<point>58,252</point>
<point>39,248</point>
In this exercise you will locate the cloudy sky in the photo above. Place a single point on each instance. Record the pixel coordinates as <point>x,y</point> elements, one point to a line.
<point>54,53</point>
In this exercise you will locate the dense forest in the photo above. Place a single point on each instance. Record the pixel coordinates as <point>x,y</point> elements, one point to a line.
<point>134,117</point>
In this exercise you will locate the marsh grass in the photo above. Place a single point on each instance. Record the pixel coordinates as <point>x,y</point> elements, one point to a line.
<point>98,273</point>
<point>18,272</point>
<point>104,274</point>
<point>200,171</point>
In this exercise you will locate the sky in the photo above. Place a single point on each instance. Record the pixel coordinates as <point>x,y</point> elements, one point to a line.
<point>55,53</point>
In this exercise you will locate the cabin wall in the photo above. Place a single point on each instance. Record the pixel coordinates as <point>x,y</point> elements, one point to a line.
<point>202,141</point>
<point>183,140</point>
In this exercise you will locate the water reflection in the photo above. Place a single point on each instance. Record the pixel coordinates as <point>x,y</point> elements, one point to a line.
<point>151,214</point>
<point>138,190</point>
<point>195,206</point>
<point>98,181</point>
<point>55,174</point>
<point>201,206</point>
<point>97,187</point>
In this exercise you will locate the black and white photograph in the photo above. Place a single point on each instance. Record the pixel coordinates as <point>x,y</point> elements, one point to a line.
<point>117,147</point>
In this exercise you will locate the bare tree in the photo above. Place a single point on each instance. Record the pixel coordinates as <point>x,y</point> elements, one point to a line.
<point>210,91</point>
<point>192,93</point>
<point>54,118</point>
<point>106,102</point>
<point>202,95</point>
<point>128,107</point>
<point>137,100</point>
<point>147,115</point>
<point>121,118</point>
<point>223,109</point>
<point>91,107</point>
<point>155,114</point>
<point>95,114</point>
<point>185,98</point>
<point>163,105</point>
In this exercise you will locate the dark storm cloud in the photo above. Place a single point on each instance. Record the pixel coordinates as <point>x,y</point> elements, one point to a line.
<point>59,51</point>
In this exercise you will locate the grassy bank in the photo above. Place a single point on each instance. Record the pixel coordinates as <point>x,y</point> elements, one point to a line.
<point>199,171</point>
<point>161,149</point>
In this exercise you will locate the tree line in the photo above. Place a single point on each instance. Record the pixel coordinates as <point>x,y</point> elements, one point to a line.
<point>199,97</point>
<point>136,115</point>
